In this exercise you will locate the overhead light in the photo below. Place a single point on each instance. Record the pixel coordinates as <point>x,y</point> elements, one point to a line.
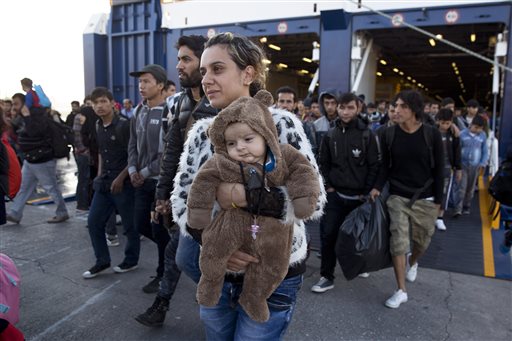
<point>454,65</point>
<point>426,89</point>
<point>395,69</point>
<point>266,61</point>
<point>401,73</point>
<point>439,36</point>
<point>432,42</point>
<point>414,80</point>
<point>456,72</point>
<point>383,62</point>
<point>304,72</point>
<point>263,40</point>
<point>281,65</point>
<point>409,78</point>
<point>307,60</point>
<point>379,74</point>
<point>420,85</point>
<point>267,69</point>
<point>472,37</point>
<point>274,47</point>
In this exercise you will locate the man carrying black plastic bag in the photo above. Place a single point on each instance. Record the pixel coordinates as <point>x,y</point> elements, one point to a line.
<point>363,240</point>
<point>349,164</point>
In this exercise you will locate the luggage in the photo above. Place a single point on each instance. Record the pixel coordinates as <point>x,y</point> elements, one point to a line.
<point>363,240</point>
<point>9,290</point>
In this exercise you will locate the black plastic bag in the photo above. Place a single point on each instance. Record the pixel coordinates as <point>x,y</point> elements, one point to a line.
<point>363,240</point>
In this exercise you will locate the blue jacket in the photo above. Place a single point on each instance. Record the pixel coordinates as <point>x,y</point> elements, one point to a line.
<point>474,150</point>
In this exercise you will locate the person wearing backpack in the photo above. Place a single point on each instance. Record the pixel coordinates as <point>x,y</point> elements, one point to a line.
<point>413,163</point>
<point>349,164</point>
<point>39,167</point>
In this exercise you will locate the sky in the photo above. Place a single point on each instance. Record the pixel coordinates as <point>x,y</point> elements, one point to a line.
<point>42,40</point>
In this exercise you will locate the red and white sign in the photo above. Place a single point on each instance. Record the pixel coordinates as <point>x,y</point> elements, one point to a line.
<point>451,16</point>
<point>211,32</point>
<point>397,19</point>
<point>282,27</point>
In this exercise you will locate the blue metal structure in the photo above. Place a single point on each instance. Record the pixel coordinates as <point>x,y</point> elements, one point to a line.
<point>135,38</point>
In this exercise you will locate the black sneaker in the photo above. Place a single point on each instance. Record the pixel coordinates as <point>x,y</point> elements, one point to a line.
<point>155,315</point>
<point>124,267</point>
<point>153,286</point>
<point>95,270</point>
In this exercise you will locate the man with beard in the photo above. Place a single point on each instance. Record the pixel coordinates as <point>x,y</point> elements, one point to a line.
<point>186,108</point>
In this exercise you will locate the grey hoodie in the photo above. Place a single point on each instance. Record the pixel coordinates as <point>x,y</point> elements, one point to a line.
<point>322,125</point>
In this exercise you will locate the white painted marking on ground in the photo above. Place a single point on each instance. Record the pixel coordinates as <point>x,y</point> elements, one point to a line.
<point>54,252</point>
<point>87,303</point>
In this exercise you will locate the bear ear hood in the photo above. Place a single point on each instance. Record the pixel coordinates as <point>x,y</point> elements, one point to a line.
<point>252,111</point>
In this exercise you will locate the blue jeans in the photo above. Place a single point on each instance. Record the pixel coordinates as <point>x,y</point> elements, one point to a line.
<point>144,197</point>
<point>187,257</point>
<point>82,186</point>
<point>102,206</point>
<point>31,174</point>
<point>228,321</point>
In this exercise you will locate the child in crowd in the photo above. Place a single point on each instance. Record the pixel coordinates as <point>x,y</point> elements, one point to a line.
<point>247,151</point>
<point>474,157</point>
<point>31,97</point>
<point>452,165</point>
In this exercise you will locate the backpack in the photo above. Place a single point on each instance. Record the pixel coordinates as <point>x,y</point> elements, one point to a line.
<point>44,101</point>
<point>500,187</point>
<point>14,173</point>
<point>10,290</point>
<point>61,138</point>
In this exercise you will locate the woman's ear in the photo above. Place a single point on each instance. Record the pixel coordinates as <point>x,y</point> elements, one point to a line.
<point>248,75</point>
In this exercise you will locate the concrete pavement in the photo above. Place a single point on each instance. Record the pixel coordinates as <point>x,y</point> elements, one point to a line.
<point>56,303</point>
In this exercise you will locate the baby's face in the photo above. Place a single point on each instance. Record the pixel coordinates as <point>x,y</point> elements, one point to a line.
<point>244,144</point>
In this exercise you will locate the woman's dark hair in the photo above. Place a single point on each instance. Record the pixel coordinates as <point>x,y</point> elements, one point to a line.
<point>244,53</point>
<point>444,115</point>
<point>413,100</point>
<point>193,42</point>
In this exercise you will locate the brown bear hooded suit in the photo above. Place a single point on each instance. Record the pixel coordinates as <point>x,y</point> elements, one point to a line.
<point>230,229</point>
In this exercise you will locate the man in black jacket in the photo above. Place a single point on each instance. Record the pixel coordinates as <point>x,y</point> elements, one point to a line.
<point>349,164</point>
<point>188,107</point>
<point>39,166</point>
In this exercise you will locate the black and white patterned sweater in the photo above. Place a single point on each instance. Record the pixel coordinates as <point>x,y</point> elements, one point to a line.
<point>198,149</point>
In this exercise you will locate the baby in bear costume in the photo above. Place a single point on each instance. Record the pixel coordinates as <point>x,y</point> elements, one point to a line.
<point>246,150</point>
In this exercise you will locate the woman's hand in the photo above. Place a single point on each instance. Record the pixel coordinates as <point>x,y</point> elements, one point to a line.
<point>229,194</point>
<point>240,260</point>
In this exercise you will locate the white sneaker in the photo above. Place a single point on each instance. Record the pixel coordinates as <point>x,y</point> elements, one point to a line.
<point>411,271</point>
<point>398,298</point>
<point>440,225</point>
<point>364,275</point>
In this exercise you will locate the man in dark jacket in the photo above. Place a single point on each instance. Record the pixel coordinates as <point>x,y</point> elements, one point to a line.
<point>189,106</point>
<point>349,164</point>
<point>112,188</point>
<point>39,166</point>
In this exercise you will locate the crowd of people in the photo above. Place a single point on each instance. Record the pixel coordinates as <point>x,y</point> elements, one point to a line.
<point>298,160</point>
